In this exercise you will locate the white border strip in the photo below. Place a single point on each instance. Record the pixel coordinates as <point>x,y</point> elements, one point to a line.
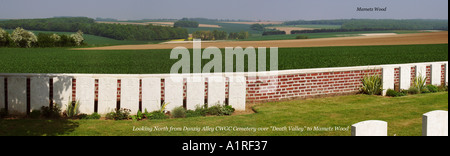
<point>267,73</point>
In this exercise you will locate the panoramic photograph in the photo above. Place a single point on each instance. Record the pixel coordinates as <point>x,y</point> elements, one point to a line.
<point>223,68</point>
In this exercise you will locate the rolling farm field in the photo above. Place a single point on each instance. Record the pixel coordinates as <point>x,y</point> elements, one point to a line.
<point>64,60</point>
<point>401,39</point>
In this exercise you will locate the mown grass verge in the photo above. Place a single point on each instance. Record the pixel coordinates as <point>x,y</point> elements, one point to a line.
<point>404,116</point>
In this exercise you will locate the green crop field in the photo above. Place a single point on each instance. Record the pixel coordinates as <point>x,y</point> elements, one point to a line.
<point>63,60</point>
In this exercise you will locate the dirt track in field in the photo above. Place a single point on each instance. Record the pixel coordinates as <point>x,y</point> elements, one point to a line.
<point>403,39</point>
<point>161,24</point>
<point>289,29</point>
<point>250,23</point>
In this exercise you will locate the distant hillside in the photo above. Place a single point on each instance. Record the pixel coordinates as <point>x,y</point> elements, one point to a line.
<point>380,24</point>
<point>88,26</point>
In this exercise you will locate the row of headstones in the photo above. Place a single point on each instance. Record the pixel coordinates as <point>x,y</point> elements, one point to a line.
<point>434,123</point>
<point>405,75</point>
<point>107,93</point>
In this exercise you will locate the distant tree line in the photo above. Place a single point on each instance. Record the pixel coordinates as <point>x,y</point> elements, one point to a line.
<point>238,35</point>
<point>186,24</point>
<point>219,35</point>
<point>27,39</point>
<point>257,27</point>
<point>88,26</point>
<point>332,30</point>
<point>274,32</point>
<point>378,24</point>
<point>317,22</point>
<point>397,24</point>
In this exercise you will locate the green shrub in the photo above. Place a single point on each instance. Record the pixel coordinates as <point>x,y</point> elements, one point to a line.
<point>393,93</point>
<point>51,112</point>
<point>372,85</point>
<point>432,88</point>
<point>157,115</point>
<point>405,92</point>
<point>413,91</point>
<point>5,39</point>
<point>3,113</point>
<point>199,111</point>
<point>443,88</point>
<point>35,114</point>
<point>119,114</point>
<point>214,110</point>
<point>23,38</point>
<point>72,110</point>
<point>178,112</point>
<point>139,116</point>
<point>425,90</point>
<point>90,117</point>
<point>163,107</point>
<point>228,110</point>
<point>220,110</point>
<point>420,82</point>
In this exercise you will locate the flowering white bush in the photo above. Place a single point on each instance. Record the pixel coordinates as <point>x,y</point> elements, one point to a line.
<point>4,37</point>
<point>78,38</point>
<point>55,37</point>
<point>23,38</point>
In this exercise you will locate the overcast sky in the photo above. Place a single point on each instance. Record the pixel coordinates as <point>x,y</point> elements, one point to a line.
<point>275,10</point>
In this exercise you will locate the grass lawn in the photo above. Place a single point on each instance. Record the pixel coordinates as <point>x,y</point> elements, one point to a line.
<point>403,114</point>
<point>63,60</point>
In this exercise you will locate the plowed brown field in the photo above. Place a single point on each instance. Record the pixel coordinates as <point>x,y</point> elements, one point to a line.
<point>403,39</point>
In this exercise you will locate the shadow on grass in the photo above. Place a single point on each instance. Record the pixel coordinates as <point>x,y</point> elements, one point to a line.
<point>36,127</point>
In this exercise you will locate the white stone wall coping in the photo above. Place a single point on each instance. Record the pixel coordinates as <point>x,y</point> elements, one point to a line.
<point>267,73</point>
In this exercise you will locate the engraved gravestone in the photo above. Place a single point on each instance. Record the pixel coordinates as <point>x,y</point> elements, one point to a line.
<point>129,98</point>
<point>237,92</point>
<point>107,95</point>
<point>195,92</point>
<point>17,94</point>
<point>151,94</point>
<point>39,92</point>
<point>85,93</point>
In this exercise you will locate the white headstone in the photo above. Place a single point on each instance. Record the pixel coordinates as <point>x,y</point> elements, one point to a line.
<point>17,94</point>
<point>370,128</point>
<point>62,91</point>
<point>39,92</point>
<point>195,92</point>
<point>151,94</point>
<point>421,70</point>
<point>129,97</point>
<point>2,92</point>
<point>435,123</point>
<point>107,95</point>
<point>405,77</point>
<point>216,90</point>
<point>388,79</point>
<point>173,92</point>
<point>237,92</point>
<point>85,93</point>
<point>436,71</point>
